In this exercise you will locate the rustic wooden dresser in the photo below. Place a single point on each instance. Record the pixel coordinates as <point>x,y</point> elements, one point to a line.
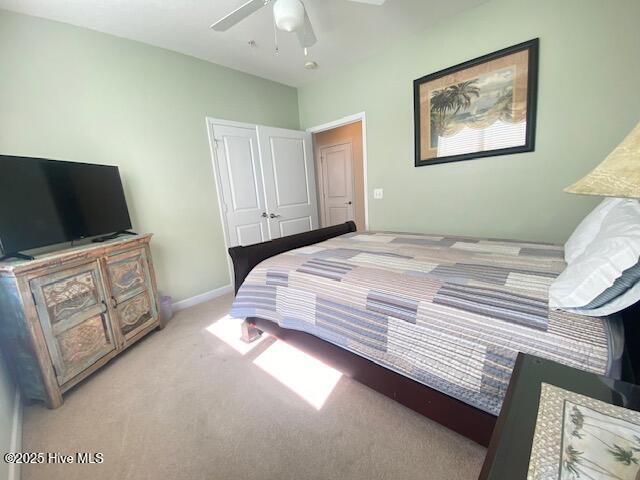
<point>66,314</point>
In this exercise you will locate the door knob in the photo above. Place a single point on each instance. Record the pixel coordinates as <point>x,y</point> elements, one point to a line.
<point>273,215</point>
<point>348,203</point>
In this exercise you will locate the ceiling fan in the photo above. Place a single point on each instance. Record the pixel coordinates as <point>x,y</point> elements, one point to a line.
<point>288,15</point>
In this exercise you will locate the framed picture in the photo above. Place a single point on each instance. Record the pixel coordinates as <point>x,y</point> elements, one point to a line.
<point>480,108</point>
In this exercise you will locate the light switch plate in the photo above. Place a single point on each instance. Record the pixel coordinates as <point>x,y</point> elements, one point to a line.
<point>378,193</point>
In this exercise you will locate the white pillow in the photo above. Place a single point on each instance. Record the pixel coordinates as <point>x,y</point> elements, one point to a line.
<point>584,234</point>
<point>615,248</point>
<point>625,300</point>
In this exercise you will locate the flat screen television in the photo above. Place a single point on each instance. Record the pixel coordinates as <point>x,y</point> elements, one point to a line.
<point>44,202</point>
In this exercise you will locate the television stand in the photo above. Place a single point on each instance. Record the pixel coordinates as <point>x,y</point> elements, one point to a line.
<point>17,255</point>
<point>112,236</point>
<point>67,313</point>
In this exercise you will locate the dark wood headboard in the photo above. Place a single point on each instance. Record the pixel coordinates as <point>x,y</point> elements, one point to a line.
<point>245,258</point>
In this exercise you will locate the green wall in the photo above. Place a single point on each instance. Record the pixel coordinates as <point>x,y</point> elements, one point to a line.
<point>74,94</point>
<point>588,101</point>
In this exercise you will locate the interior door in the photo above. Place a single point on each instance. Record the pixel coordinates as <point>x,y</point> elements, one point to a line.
<point>238,167</point>
<point>336,163</point>
<point>289,179</point>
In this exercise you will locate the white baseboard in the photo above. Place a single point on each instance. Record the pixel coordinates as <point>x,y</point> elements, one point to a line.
<point>203,297</point>
<point>16,436</point>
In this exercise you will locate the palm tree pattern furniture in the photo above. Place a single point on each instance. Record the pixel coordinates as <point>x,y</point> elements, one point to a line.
<point>510,450</point>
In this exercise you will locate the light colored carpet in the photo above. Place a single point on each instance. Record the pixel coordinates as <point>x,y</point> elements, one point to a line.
<point>182,404</point>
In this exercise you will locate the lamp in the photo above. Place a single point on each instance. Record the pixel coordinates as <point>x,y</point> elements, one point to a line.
<point>618,175</point>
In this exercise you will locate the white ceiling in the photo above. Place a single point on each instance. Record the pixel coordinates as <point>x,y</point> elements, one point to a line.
<point>346,31</point>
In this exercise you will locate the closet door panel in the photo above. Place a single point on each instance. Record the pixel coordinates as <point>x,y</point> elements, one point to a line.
<point>289,179</point>
<point>240,183</point>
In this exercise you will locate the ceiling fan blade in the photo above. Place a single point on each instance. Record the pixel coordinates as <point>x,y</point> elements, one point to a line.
<point>238,14</point>
<point>370,2</point>
<point>306,35</point>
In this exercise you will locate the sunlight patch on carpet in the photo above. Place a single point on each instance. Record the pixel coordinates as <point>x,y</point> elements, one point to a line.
<point>228,330</point>
<point>305,375</point>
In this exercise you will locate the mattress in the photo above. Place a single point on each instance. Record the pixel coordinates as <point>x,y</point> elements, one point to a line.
<point>449,312</point>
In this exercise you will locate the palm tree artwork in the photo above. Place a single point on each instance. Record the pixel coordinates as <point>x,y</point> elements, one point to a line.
<point>597,446</point>
<point>479,108</point>
<point>476,103</point>
<point>447,103</point>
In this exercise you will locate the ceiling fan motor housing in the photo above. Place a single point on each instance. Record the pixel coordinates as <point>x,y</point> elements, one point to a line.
<point>288,14</point>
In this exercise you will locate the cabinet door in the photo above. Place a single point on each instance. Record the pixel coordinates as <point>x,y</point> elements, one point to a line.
<point>74,318</point>
<point>131,289</point>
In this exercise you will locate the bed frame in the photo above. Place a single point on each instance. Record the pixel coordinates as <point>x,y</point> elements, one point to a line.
<point>469,421</point>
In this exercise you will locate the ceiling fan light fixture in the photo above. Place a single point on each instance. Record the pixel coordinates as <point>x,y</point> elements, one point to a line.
<point>288,14</point>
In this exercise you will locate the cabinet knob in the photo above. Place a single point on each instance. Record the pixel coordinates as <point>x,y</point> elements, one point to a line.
<point>114,302</point>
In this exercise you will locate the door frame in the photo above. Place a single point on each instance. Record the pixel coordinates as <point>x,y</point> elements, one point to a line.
<point>349,119</point>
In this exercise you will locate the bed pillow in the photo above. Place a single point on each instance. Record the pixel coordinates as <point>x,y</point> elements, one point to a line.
<point>622,285</point>
<point>587,230</point>
<point>614,249</point>
<point>626,299</point>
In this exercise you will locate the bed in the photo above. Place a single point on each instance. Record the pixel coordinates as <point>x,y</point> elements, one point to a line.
<point>435,322</point>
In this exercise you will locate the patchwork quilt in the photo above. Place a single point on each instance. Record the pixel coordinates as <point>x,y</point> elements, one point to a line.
<point>449,312</point>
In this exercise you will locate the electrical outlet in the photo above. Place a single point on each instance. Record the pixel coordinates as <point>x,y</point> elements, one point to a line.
<point>378,193</point>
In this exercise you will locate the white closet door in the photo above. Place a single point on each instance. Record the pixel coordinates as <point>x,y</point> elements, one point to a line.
<point>289,180</point>
<point>240,179</point>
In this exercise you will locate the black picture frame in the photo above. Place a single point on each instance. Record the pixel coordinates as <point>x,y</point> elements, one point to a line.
<point>532,46</point>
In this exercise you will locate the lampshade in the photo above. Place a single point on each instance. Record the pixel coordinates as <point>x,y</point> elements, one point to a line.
<point>618,175</point>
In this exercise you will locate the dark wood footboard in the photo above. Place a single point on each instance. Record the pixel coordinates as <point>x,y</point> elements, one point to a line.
<point>631,358</point>
<point>245,258</point>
